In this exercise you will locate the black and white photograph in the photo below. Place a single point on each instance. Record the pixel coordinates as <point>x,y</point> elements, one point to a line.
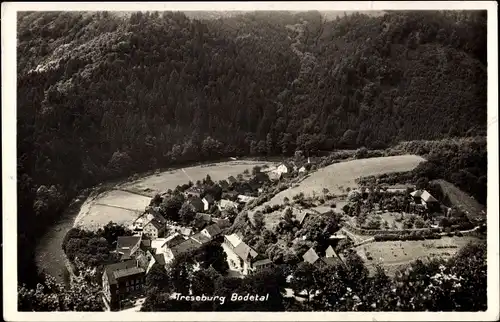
<point>288,160</point>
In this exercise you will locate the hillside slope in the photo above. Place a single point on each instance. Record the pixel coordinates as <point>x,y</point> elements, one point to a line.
<point>103,95</point>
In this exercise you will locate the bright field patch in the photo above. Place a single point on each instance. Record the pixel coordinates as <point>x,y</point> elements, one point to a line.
<point>394,254</point>
<point>117,206</point>
<point>171,179</point>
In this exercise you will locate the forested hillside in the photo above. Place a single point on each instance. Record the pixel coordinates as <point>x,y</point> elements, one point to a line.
<point>103,95</point>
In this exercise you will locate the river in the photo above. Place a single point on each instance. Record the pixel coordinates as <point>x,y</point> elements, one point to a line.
<point>50,256</point>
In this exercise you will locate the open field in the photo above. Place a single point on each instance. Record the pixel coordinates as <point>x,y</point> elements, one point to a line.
<point>393,255</point>
<point>462,200</point>
<point>118,206</point>
<point>339,176</point>
<point>170,179</point>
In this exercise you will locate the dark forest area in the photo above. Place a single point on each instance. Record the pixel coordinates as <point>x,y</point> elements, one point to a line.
<point>102,96</point>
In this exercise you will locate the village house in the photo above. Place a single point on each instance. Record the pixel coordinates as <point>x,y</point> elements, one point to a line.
<point>121,280</point>
<point>232,180</point>
<point>193,192</point>
<point>186,231</point>
<point>149,214</point>
<point>154,229</point>
<point>262,264</point>
<point>208,201</point>
<point>196,203</point>
<point>260,177</point>
<point>250,260</point>
<point>398,188</point>
<point>424,198</point>
<point>184,247</point>
<point>211,231</point>
<point>200,238</point>
<point>128,246</point>
<point>201,220</point>
<point>230,195</point>
<point>245,199</point>
<point>331,257</point>
<point>222,222</point>
<point>247,255</point>
<point>302,169</point>
<point>160,245</point>
<point>225,204</point>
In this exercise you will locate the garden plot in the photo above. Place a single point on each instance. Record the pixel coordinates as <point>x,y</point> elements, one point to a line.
<point>171,179</point>
<point>393,255</point>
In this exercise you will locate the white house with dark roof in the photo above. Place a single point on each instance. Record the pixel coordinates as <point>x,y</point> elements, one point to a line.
<point>211,231</point>
<point>250,260</point>
<point>208,201</point>
<point>154,229</point>
<point>225,204</point>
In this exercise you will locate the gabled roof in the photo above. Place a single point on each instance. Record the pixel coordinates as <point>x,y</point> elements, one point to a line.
<point>186,246</point>
<point>330,252</point>
<point>155,223</point>
<point>427,197</point>
<point>209,199</point>
<point>160,259</point>
<point>416,193</point>
<point>300,215</point>
<point>213,230</point>
<point>110,269</point>
<point>245,199</point>
<point>125,244</point>
<point>196,203</point>
<point>234,239</point>
<point>127,241</point>
<point>200,238</point>
<point>186,231</point>
<point>231,179</point>
<point>222,222</point>
<point>175,240</point>
<point>310,256</point>
<point>224,203</point>
<point>245,252</point>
